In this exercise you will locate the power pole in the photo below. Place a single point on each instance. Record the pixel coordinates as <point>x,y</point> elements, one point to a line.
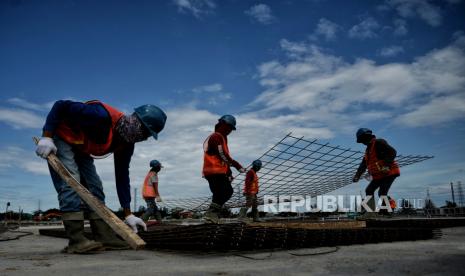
<point>135,199</point>
<point>452,190</point>
<point>460,193</point>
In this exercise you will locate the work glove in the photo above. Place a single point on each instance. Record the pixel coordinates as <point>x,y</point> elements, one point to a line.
<point>45,147</point>
<point>133,221</point>
<point>158,199</point>
<point>356,178</point>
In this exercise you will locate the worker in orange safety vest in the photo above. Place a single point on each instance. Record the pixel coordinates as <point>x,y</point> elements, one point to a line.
<point>251,191</point>
<point>379,160</point>
<point>79,132</point>
<point>150,191</point>
<point>216,166</point>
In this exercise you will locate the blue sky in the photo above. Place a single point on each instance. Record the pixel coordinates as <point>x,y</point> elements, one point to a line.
<point>317,68</point>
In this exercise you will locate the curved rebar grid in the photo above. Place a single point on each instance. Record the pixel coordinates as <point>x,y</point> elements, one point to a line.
<point>296,166</point>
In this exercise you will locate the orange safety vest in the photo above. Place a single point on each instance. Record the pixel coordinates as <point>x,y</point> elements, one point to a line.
<point>212,163</point>
<point>252,187</point>
<point>78,138</point>
<point>392,203</point>
<point>375,165</point>
<point>148,189</point>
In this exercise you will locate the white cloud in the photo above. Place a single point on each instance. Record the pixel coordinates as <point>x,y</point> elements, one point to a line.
<point>391,51</point>
<point>198,8</point>
<point>30,105</point>
<point>261,13</point>
<point>327,29</point>
<point>426,10</point>
<point>15,157</point>
<point>19,119</point>
<point>332,92</point>
<point>215,87</point>
<point>212,94</point>
<point>365,29</point>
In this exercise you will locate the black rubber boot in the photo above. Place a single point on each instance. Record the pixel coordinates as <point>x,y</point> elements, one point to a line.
<point>74,228</point>
<point>105,235</point>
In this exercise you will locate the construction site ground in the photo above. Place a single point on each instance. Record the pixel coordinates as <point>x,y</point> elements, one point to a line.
<point>40,255</point>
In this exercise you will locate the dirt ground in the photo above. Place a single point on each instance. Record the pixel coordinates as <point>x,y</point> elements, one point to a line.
<point>40,255</point>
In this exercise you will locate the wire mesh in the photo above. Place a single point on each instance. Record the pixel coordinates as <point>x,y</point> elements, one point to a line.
<point>296,166</point>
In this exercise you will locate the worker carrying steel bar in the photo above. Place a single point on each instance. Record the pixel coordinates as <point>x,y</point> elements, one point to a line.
<point>217,164</point>
<point>379,160</point>
<point>150,192</point>
<point>77,133</point>
<point>251,191</point>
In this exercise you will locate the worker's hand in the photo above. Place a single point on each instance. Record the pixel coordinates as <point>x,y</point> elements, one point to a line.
<point>242,170</point>
<point>158,199</point>
<point>356,178</point>
<point>133,221</point>
<point>45,147</point>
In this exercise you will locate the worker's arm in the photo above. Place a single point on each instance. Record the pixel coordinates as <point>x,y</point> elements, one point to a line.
<point>384,151</point>
<point>361,169</point>
<point>122,158</point>
<point>215,146</point>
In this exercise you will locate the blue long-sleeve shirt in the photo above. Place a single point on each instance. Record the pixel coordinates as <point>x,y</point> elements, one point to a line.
<point>95,122</point>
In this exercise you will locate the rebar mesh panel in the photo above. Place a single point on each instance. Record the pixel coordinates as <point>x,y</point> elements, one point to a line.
<point>296,166</point>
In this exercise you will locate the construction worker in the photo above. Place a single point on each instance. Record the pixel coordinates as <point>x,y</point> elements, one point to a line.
<point>216,166</point>
<point>380,161</point>
<point>150,192</point>
<point>77,133</point>
<point>250,191</point>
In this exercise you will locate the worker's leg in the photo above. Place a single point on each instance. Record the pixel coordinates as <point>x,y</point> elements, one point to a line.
<point>151,208</point>
<point>219,187</point>
<point>89,175</point>
<point>74,228</point>
<point>370,191</point>
<point>243,211</point>
<point>104,234</point>
<point>385,185</point>
<point>68,199</point>
<point>253,199</point>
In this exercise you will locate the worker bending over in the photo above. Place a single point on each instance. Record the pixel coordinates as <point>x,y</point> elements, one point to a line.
<point>379,160</point>
<point>216,166</point>
<point>250,191</point>
<point>78,132</point>
<point>150,192</point>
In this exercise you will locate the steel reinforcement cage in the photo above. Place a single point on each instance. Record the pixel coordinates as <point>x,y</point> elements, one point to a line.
<point>296,166</point>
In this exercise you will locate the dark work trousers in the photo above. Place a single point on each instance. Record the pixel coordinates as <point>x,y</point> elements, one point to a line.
<point>384,184</point>
<point>220,186</point>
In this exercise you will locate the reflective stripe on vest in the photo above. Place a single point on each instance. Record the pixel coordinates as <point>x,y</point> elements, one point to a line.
<point>252,188</point>
<point>148,190</point>
<point>212,163</point>
<point>79,139</point>
<point>375,165</point>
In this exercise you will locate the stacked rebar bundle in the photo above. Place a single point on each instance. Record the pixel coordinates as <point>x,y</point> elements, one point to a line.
<point>243,237</point>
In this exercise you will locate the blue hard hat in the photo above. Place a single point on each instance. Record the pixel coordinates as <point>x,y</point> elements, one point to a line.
<point>152,117</point>
<point>257,163</point>
<point>228,119</point>
<point>361,132</point>
<point>155,163</point>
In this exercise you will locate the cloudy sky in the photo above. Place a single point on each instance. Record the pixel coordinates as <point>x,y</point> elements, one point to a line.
<point>316,68</point>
